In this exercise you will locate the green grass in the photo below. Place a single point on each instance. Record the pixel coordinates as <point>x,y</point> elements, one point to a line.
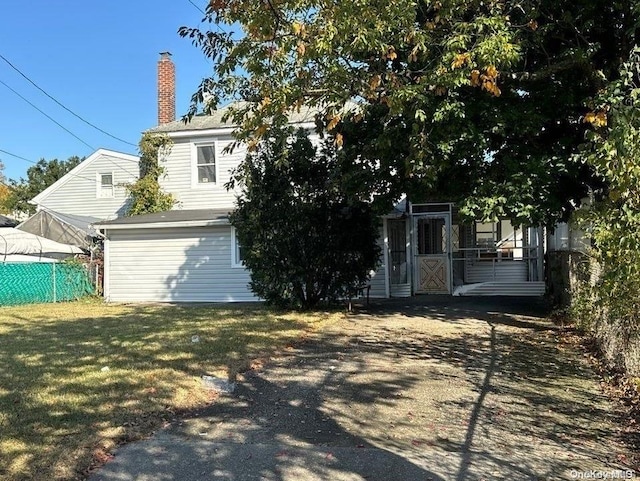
<point>61,412</point>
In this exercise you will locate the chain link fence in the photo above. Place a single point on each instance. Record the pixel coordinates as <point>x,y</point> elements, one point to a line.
<point>39,282</point>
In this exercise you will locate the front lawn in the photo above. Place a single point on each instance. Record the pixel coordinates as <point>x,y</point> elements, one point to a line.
<point>76,379</point>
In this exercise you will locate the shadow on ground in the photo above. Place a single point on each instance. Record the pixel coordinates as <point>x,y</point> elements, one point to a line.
<point>407,390</point>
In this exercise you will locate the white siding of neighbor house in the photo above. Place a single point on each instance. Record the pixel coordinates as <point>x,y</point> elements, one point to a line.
<point>79,195</point>
<point>173,265</point>
<point>178,175</point>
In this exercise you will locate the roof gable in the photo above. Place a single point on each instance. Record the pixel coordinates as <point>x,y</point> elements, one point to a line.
<point>77,170</point>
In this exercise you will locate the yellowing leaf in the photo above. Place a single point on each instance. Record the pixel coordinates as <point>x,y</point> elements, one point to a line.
<point>391,53</point>
<point>533,25</point>
<point>597,119</point>
<point>475,78</point>
<point>333,122</point>
<point>375,82</point>
<point>460,59</point>
<point>339,140</point>
<point>413,56</point>
<point>260,131</point>
<point>252,145</point>
<point>440,91</point>
<point>297,28</point>
<point>492,71</point>
<point>490,86</point>
<point>301,49</point>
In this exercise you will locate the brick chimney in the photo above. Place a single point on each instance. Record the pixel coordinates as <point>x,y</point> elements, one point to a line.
<point>166,89</point>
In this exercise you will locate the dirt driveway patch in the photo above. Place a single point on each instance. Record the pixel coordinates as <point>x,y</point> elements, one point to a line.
<point>433,388</point>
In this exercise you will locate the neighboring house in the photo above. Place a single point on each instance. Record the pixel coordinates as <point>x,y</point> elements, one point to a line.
<point>94,188</point>
<point>191,254</point>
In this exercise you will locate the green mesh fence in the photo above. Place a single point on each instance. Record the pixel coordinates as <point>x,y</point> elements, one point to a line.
<point>33,282</point>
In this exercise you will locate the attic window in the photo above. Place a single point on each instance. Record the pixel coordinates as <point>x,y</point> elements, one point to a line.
<point>206,164</point>
<point>105,188</point>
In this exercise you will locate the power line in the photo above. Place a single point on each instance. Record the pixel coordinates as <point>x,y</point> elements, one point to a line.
<point>36,163</point>
<point>192,3</point>
<point>48,116</point>
<point>68,173</point>
<point>63,106</point>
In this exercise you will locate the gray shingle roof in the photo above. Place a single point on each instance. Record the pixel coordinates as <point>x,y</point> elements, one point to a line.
<point>214,121</point>
<point>192,215</point>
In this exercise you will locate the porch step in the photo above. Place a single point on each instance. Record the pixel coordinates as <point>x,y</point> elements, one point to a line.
<point>528,289</point>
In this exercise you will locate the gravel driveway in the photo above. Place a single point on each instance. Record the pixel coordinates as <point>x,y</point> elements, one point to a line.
<point>421,389</point>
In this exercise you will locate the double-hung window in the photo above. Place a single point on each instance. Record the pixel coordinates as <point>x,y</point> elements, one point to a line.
<point>205,163</point>
<point>105,185</point>
<point>237,252</point>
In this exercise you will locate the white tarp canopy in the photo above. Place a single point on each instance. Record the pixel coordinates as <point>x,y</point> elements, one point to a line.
<point>15,242</point>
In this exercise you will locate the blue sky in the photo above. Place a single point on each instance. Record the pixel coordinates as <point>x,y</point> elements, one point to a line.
<point>99,60</point>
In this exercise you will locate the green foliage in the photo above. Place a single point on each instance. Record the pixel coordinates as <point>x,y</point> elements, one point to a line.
<point>39,177</point>
<point>146,195</point>
<point>5,191</point>
<point>465,100</point>
<point>305,238</point>
<point>614,222</point>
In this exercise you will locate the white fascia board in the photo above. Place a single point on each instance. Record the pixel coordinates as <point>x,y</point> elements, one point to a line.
<point>78,170</point>
<point>180,134</point>
<point>162,225</point>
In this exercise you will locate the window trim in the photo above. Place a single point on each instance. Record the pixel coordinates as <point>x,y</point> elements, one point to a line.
<point>99,185</point>
<point>235,248</point>
<point>195,184</point>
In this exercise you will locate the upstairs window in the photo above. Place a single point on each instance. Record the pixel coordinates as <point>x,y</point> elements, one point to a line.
<point>206,164</point>
<point>105,185</point>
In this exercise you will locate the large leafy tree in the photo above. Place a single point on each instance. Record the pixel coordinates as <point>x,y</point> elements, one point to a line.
<point>145,194</point>
<point>304,236</point>
<point>39,177</point>
<point>475,101</point>
<point>611,306</point>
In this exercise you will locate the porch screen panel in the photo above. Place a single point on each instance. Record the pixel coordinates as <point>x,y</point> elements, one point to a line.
<point>398,251</point>
<point>432,236</point>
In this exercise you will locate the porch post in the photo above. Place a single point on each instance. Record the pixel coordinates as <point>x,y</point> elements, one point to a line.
<point>540,252</point>
<point>385,257</point>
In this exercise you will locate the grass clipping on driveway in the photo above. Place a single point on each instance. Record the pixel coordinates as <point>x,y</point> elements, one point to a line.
<point>77,379</point>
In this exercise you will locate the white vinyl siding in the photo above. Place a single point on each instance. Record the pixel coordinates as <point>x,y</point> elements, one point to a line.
<point>174,265</point>
<point>79,195</point>
<point>180,176</point>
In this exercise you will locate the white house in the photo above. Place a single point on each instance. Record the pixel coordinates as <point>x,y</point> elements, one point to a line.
<point>191,254</point>
<point>94,188</point>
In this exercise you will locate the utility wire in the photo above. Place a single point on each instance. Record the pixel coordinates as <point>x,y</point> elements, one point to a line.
<point>48,116</point>
<point>63,106</point>
<point>68,173</point>
<point>194,4</point>
<point>36,163</point>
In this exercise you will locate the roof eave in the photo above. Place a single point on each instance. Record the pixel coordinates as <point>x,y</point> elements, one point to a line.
<point>162,225</point>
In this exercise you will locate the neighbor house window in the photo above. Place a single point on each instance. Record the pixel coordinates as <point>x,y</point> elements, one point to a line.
<point>237,252</point>
<point>105,185</point>
<point>206,164</point>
